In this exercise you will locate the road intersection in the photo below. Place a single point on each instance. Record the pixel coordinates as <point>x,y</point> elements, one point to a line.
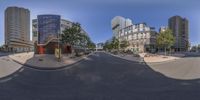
<point>103,77</point>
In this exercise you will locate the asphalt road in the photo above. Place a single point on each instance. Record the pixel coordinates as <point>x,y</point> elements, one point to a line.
<point>100,77</point>
<point>3,54</point>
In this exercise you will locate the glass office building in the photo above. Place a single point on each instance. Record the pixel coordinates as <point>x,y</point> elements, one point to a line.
<point>48,27</point>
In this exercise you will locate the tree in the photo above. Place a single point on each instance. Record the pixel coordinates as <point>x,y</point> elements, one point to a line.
<point>86,42</point>
<point>72,35</point>
<point>107,45</point>
<point>124,44</point>
<point>115,43</point>
<point>111,44</point>
<point>198,47</point>
<point>1,47</point>
<point>90,44</point>
<point>165,40</point>
<point>83,40</point>
<point>194,48</point>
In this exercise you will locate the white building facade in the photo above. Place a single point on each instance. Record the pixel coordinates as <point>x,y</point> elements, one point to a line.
<point>141,37</point>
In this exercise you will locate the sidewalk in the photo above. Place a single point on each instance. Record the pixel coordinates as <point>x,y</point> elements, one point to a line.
<point>44,61</point>
<point>159,58</point>
<point>151,59</point>
<point>154,58</point>
<point>127,57</point>
<point>8,67</point>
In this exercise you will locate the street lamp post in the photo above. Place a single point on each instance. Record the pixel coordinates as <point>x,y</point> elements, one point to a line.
<point>118,39</point>
<point>59,51</point>
<point>96,47</point>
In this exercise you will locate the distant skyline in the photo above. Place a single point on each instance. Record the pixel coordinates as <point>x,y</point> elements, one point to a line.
<point>95,16</point>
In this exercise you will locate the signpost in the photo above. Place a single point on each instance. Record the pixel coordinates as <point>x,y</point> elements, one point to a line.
<point>58,53</point>
<point>58,50</point>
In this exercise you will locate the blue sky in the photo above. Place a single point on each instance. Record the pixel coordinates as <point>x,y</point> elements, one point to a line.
<point>95,15</point>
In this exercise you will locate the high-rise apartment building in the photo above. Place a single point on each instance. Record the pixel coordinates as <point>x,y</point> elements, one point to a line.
<point>179,27</point>
<point>34,31</point>
<point>17,29</point>
<point>118,23</point>
<point>128,22</point>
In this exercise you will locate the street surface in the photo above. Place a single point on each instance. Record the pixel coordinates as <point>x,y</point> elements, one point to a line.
<point>100,77</point>
<point>3,54</point>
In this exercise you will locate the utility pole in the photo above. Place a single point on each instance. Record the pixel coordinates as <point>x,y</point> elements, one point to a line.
<point>59,51</point>
<point>96,47</point>
<point>118,39</point>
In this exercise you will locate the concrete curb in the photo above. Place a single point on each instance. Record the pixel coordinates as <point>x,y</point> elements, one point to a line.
<point>143,62</point>
<point>163,61</point>
<point>166,60</point>
<point>50,68</point>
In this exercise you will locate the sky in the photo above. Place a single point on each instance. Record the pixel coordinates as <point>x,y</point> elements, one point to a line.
<point>95,15</point>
